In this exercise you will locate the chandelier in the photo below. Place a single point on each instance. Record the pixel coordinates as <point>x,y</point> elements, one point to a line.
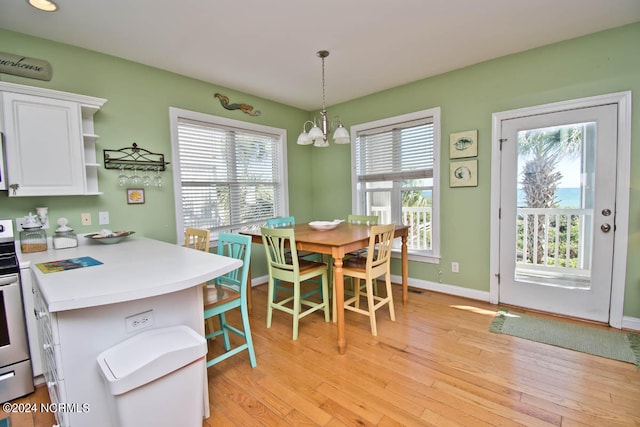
<point>318,134</point>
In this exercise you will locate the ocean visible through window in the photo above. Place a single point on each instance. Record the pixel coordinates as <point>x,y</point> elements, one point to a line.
<point>566,197</point>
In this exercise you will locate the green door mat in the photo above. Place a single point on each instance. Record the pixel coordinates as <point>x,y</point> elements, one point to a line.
<point>610,344</point>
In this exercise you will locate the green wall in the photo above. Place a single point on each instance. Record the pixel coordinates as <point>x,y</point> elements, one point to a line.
<point>319,179</point>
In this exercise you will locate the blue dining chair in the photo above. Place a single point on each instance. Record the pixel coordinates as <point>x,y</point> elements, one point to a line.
<point>230,292</point>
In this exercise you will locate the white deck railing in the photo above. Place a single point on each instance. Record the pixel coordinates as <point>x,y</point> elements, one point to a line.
<point>554,240</point>
<point>419,220</point>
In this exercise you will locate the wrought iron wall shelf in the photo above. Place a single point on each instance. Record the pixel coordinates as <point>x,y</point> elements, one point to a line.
<point>134,157</point>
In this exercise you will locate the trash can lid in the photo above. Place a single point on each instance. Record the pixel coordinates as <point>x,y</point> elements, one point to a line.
<point>150,355</point>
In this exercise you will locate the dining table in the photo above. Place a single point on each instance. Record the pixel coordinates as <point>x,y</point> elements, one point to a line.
<point>338,242</point>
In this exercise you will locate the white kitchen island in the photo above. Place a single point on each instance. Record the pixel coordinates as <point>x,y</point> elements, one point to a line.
<point>83,312</point>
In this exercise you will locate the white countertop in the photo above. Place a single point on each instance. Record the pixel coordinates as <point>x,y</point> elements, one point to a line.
<point>135,268</point>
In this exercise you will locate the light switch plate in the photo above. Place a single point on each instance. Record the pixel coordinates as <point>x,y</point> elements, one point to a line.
<point>103,218</point>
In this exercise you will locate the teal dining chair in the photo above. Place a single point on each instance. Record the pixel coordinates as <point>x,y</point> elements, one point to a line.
<point>229,292</point>
<point>288,267</point>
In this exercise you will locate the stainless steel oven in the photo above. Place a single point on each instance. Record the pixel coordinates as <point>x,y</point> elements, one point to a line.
<point>16,376</point>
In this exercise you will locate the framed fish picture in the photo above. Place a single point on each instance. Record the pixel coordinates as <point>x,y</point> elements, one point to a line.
<point>463,144</point>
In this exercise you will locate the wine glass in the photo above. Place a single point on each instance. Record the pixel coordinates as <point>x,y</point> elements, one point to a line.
<point>122,178</point>
<point>146,179</point>
<point>135,179</point>
<point>157,180</point>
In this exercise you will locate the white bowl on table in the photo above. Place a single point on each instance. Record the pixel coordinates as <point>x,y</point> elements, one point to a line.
<point>324,225</point>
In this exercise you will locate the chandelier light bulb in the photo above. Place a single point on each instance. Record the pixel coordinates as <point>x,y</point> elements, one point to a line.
<point>44,5</point>
<point>304,139</point>
<point>341,135</point>
<point>316,134</point>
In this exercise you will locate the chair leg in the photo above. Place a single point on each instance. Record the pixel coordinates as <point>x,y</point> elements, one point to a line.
<point>269,302</point>
<point>392,312</point>
<point>225,331</point>
<point>325,296</point>
<point>296,309</point>
<point>356,290</point>
<point>371,306</point>
<point>244,313</point>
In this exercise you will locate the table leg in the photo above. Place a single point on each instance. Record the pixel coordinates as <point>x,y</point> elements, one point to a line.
<point>338,283</point>
<point>405,271</point>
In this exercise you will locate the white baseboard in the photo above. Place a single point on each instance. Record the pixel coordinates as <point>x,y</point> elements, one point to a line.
<point>632,323</point>
<point>445,289</point>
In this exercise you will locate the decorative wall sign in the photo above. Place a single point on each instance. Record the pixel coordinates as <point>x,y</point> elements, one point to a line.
<point>135,196</point>
<point>25,67</point>
<point>463,174</point>
<point>245,108</point>
<point>463,144</point>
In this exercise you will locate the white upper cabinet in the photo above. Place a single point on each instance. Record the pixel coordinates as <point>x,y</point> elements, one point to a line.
<point>49,141</point>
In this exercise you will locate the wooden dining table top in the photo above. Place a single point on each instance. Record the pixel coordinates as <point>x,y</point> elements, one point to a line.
<point>345,238</point>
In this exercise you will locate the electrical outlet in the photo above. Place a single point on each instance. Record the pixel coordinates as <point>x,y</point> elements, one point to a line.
<point>455,267</point>
<point>139,321</point>
<point>103,218</point>
<point>86,218</point>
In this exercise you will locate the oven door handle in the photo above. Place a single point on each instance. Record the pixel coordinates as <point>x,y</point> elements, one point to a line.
<point>9,280</point>
<point>7,375</point>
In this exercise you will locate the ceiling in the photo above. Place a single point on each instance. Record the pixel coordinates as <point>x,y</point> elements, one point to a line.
<point>268,48</point>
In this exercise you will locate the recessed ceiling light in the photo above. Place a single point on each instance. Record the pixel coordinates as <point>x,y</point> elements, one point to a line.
<point>45,5</point>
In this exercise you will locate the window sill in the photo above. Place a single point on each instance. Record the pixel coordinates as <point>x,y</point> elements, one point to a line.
<point>418,257</point>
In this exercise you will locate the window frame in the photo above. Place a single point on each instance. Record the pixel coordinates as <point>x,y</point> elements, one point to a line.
<point>358,199</point>
<point>282,205</point>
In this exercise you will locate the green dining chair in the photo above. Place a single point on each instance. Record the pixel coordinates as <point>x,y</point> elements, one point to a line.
<point>288,267</point>
<point>361,219</point>
<point>229,292</point>
<point>290,222</point>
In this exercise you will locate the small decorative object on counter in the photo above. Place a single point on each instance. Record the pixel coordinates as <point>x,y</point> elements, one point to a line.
<point>64,237</point>
<point>32,237</point>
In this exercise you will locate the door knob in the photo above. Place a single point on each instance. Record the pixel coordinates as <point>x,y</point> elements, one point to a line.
<point>605,227</point>
<point>606,212</point>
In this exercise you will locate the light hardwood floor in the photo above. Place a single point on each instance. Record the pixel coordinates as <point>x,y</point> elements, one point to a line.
<point>436,365</point>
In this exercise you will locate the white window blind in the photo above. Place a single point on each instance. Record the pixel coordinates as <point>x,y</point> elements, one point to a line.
<point>229,177</point>
<point>395,176</point>
<point>400,151</point>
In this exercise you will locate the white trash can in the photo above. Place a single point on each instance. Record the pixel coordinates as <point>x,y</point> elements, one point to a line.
<point>154,378</point>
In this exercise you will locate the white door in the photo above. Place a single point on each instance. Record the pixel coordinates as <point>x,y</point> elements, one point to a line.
<point>557,211</point>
